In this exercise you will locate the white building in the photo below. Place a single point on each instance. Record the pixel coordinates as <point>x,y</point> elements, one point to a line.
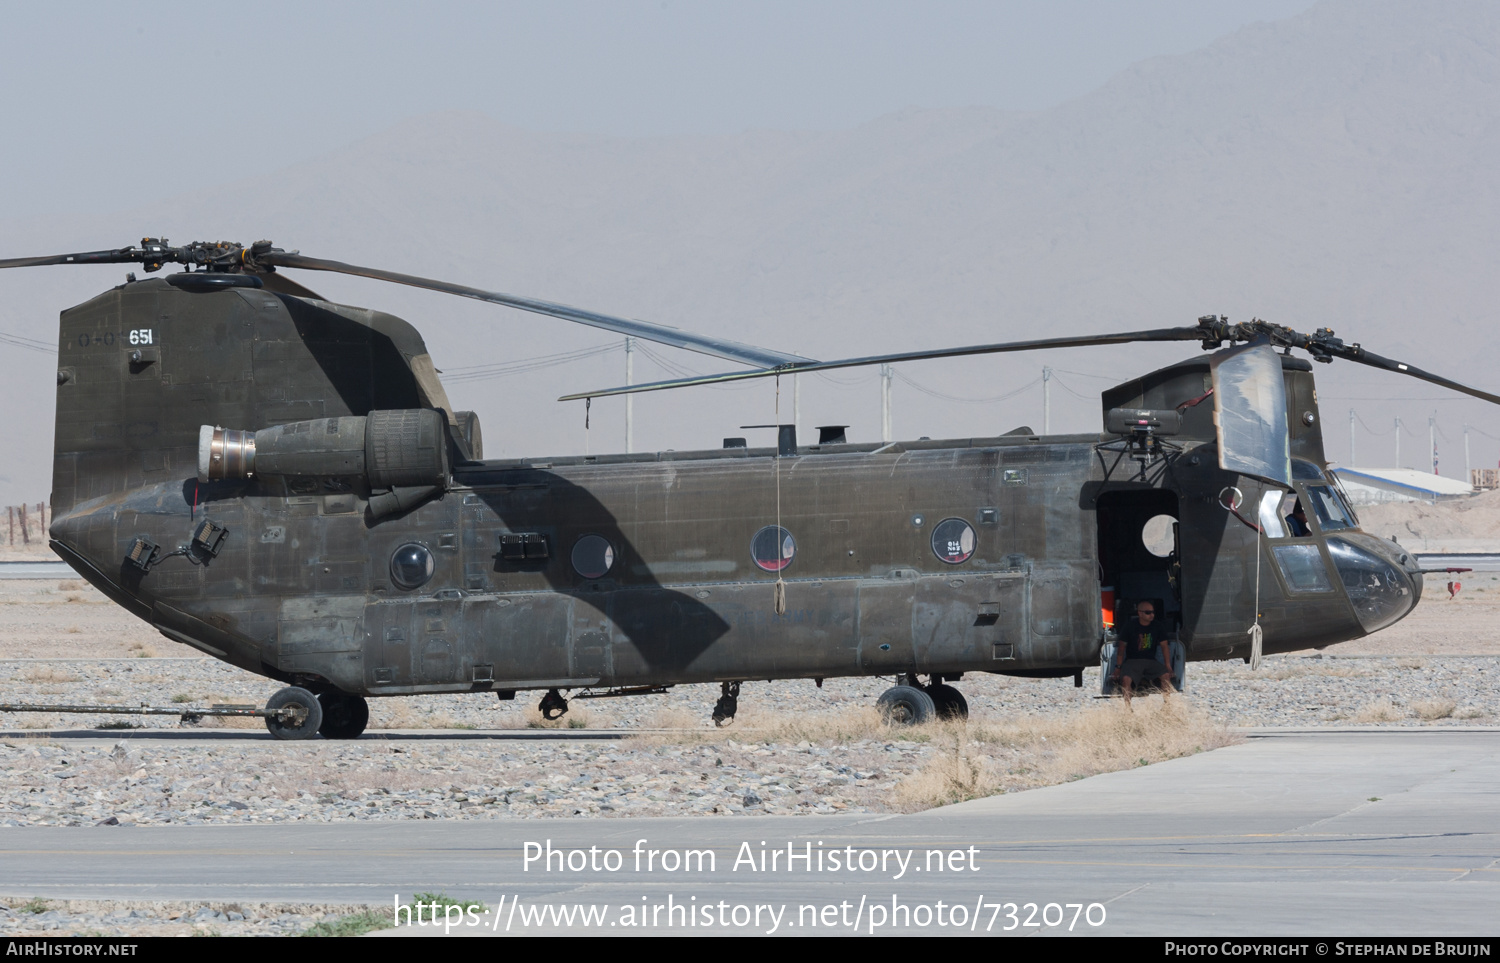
<point>1374,486</point>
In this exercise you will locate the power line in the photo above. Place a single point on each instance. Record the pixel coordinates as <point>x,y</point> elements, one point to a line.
<point>1369,429</point>
<point>934,393</point>
<point>30,344</point>
<point>524,365</point>
<point>844,382</point>
<point>1064,385</point>
<point>1085,374</point>
<point>1332,398</point>
<point>683,371</point>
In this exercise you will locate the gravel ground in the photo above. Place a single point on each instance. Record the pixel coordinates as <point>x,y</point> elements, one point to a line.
<point>29,917</point>
<point>676,763</point>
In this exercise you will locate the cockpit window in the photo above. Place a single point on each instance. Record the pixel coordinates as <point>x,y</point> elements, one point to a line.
<point>1270,515</point>
<point>1303,470</point>
<point>1329,508</point>
<point>1302,567</point>
<point>1338,488</point>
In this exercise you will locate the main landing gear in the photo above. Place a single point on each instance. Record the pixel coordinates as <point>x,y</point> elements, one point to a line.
<point>553,705</point>
<point>295,713</point>
<point>344,716</point>
<point>728,704</point>
<point>909,703</point>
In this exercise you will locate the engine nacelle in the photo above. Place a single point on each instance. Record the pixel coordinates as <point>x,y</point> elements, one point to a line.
<point>385,449</point>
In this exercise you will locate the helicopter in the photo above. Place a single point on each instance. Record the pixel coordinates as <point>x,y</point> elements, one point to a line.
<point>281,483</point>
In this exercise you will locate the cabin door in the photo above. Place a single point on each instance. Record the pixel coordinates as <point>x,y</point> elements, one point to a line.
<point>1139,551</point>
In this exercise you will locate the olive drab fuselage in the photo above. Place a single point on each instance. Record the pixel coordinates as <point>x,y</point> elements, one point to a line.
<point>940,557</point>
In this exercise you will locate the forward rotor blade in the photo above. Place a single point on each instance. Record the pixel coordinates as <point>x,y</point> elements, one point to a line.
<point>645,330</point>
<point>1123,337</point>
<point>1400,367</point>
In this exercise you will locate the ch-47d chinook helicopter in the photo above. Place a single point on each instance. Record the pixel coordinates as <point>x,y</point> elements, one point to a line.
<point>280,482</point>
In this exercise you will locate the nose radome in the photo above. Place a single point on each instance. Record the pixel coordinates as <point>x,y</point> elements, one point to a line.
<point>1379,577</point>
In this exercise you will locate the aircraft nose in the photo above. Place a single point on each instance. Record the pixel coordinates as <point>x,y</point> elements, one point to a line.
<point>1380,578</point>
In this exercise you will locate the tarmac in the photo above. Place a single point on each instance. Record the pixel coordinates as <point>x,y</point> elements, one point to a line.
<point>1321,833</point>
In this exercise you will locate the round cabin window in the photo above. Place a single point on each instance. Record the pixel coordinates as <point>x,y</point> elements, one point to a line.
<point>772,548</point>
<point>1160,535</point>
<point>953,540</point>
<point>593,556</point>
<point>411,566</point>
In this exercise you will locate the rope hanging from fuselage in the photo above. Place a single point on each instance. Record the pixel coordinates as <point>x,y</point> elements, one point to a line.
<point>778,593</point>
<point>1255,630</point>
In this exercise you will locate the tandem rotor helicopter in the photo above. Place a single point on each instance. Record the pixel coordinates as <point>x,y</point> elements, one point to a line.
<point>281,483</point>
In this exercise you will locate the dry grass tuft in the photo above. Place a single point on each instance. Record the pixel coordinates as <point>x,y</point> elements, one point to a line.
<point>1046,750</point>
<point>1430,710</point>
<point>69,586</point>
<point>958,773</point>
<point>755,724</point>
<point>668,717</point>
<point>141,650</point>
<point>229,722</point>
<point>851,723</point>
<point>406,714</point>
<point>1115,736</point>
<point>47,673</point>
<point>1469,712</point>
<point>1381,710</point>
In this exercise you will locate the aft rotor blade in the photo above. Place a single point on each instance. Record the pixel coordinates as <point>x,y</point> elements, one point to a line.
<point>1123,337</point>
<point>645,330</point>
<point>120,255</point>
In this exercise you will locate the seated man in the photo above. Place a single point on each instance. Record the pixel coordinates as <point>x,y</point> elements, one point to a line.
<point>1135,661</point>
<point>1297,521</point>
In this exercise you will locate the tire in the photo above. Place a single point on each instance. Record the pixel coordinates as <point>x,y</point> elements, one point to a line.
<point>950,703</point>
<point>905,705</point>
<point>292,695</point>
<point>344,716</point>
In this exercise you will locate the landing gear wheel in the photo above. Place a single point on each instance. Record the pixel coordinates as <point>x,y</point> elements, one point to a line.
<point>295,714</point>
<point>905,705</point>
<point>728,704</point>
<point>344,716</point>
<point>950,703</point>
<point>553,705</point>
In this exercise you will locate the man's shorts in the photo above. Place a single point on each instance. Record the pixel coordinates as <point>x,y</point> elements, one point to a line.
<point>1137,670</point>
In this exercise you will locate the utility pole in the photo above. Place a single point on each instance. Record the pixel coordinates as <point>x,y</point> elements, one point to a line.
<point>1432,439</point>
<point>1398,442</point>
<point>1468,472</point>
<point>1351,437</point>
<point>1046,400</point>
<point>629,399</point>
<point>886,373</point>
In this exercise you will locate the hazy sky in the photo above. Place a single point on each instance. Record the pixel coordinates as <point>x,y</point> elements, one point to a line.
<point>111,105</point>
